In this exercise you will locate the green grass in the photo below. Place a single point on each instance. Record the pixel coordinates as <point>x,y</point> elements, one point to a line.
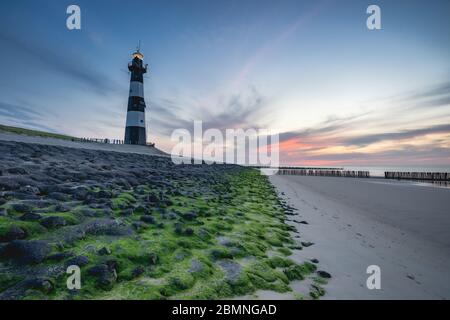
<point>35,133</point>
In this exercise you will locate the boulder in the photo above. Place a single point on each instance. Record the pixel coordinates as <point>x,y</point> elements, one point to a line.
<point>41,284</point>
<point>232,270</point>
<point>189,216</point>
<point>147,219</point>
<point>21,207</point>
<point>78,261</point>
<point>26,252</point>
<point>17,170</point>
<point>105,275</point>
<point>53,222</point>
<point>104,251</point>
<point>58,196</point>
<point>324,274</point>
<point>14,233</point>
<point>30,216</point>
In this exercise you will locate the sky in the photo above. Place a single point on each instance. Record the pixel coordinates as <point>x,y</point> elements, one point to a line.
<point>336,92</point>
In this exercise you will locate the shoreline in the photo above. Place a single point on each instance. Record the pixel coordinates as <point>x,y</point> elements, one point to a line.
<point>352,230</point>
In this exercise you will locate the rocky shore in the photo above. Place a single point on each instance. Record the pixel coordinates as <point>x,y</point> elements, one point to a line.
<point>140,227</point>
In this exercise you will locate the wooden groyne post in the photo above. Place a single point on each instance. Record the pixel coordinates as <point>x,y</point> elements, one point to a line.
<point>430,176</point>
<point>324,173</point>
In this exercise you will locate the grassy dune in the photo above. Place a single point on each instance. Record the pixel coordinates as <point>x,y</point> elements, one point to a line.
<point>35,133</point>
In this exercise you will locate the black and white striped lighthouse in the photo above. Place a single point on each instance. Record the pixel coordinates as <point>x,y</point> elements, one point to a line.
<point>135,127</point>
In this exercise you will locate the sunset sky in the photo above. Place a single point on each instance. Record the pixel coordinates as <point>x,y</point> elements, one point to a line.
<point>338,93</point>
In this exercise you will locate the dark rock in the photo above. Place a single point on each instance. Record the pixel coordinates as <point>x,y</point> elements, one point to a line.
<point>58,196</point>
<point>189,216</point>
<point>102,226</point>
<point>30,216</point>
<point>30,189</point>
<point>62,207</point>
<point>112,263</point>
<point>78,261</point>
<point>324,274</point>
<point>14,233</point>
<point>168,202</point>
<point>39,203</point>
<point>136,272</point>
<point>179,256</point>
<point>126,212</point>
<point>53,222</point>
<point>203,234</point>
<point>410,276</point>
<point>139,225</point>
<point>41,284</point>
<point>14,182</point>
<point>21,207</point>
<point>141,210</point>
<point>26,252</point>
<point>189,231</point>
<point>153,198</point>
<point>178,228</point>
<point>147,219</point>
<point>88,212</point>
<point>314,260</point>
<point>17,170</point>
<point>21,195</point>
<point>104,251</point>
<point>59,256</point>
<point>152,258</point>
<point>3,212</point>
<point>105,275</point>
<point>307,244</point>
<point>79,193</point>
<point>232,270</point>
<point>104,194</point>
<point>196,266</point>
<point>172,215</point>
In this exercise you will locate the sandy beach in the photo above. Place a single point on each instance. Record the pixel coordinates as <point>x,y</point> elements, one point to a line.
<point>401,227</point>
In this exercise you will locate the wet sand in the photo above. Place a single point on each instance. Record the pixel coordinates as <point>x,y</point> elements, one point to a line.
<point>401,227</point>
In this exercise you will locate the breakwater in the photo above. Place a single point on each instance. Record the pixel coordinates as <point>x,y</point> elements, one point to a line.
<point>324,172</point>
<point>429,176</point>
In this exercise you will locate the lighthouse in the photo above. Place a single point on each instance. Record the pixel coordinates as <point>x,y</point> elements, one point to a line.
<point>135,125</point>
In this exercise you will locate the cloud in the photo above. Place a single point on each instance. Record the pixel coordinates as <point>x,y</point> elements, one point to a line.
<point>437,95</point>
<point>333,125</point>
<point>338,140</point>
<point>243,110</point>
<point>412,155</point>
<point>63,62</point>
<point>405,134</point>
<point>23,116</point>
<point>431,92</point>
<point>17,112</point>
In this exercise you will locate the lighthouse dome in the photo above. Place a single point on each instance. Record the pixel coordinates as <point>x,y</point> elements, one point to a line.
<point>138,55</point>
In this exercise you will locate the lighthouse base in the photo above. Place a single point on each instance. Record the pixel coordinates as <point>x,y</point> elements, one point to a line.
<point>135,135</point>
